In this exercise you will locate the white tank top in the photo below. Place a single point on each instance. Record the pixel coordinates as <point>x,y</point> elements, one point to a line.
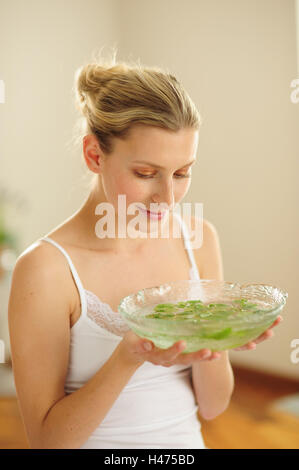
<point>157,407</point>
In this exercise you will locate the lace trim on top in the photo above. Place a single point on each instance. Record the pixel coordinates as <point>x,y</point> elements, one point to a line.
<point>102,314</point>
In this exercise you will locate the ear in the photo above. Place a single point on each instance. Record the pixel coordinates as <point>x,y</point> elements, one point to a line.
<point>92,152</point>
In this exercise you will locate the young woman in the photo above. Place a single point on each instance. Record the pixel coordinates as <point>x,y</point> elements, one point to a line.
<point>83,379</point>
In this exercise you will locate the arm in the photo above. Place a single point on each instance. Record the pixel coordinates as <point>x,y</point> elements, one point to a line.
<point>213,382</point>
<point>73,419</point>
<point>39,326</point>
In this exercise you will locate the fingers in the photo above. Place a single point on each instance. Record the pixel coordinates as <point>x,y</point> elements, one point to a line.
<point>252,344</point>
<point>206,355</point>
<point>266,335</point>
<point>278,320</point>
<point>201,355</point>
<point>173,355</point>
<point>165,357</point>
<point>249,346</point>
<point>214,355</point>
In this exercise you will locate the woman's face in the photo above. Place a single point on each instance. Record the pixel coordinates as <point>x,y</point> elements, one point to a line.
<point>152,166</point>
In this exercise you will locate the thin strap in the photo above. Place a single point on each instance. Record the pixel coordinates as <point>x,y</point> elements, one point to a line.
<point>188,245</point>
<point>74,273</point>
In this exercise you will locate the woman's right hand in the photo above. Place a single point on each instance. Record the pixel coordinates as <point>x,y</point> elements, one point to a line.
<point>133,351</point>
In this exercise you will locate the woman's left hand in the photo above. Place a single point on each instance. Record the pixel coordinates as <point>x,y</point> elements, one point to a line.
<point>266,335</point>
<point>248,346</point>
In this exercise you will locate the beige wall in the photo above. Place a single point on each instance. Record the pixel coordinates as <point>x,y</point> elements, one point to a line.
<point>236,58</point>
<point>297,29</point>
<point>45,41</point>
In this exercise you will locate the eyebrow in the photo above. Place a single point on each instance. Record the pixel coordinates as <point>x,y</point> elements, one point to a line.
<point>158,166</point>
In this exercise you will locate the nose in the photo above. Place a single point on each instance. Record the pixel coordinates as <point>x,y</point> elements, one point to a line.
<point>165,195</point>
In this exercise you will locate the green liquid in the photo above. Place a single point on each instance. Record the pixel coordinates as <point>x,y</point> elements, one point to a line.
<point>197,310</point>
<point>206,316</point>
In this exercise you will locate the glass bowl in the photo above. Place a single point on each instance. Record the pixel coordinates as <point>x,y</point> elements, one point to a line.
<point>211,314</point>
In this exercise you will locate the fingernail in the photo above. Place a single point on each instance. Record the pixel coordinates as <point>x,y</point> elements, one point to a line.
<point>147,346</point>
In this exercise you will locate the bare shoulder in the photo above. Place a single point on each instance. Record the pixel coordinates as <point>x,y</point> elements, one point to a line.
<point>208,256</point>
<point>39,329</point>
<point>40,277</point>
<point>42,265</point>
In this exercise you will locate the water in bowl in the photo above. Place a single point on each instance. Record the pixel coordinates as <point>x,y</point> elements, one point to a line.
<point>215,325</point>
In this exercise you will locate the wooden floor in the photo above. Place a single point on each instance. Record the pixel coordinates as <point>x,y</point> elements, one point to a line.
<point>252,421</point>
<point>248,423</point>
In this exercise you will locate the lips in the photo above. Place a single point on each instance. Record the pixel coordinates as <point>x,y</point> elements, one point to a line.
<point>153,215</point>
<point>151,212</point>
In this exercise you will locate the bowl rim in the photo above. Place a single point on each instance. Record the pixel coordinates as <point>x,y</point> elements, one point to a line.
<point>208,321</point>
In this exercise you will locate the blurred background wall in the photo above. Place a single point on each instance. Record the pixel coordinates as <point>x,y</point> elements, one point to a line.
<point>236,58</point>
<point>297,30</point>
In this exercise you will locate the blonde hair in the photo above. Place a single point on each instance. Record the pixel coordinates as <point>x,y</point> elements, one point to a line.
<point>114,96</point>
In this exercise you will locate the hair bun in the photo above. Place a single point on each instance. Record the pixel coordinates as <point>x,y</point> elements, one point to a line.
<point>88,80</point>
<point>114,96</point>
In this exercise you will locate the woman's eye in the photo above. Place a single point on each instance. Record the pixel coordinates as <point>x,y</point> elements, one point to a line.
<point>139,175</point>
<point>143,176</point>
<point>184,176</point>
